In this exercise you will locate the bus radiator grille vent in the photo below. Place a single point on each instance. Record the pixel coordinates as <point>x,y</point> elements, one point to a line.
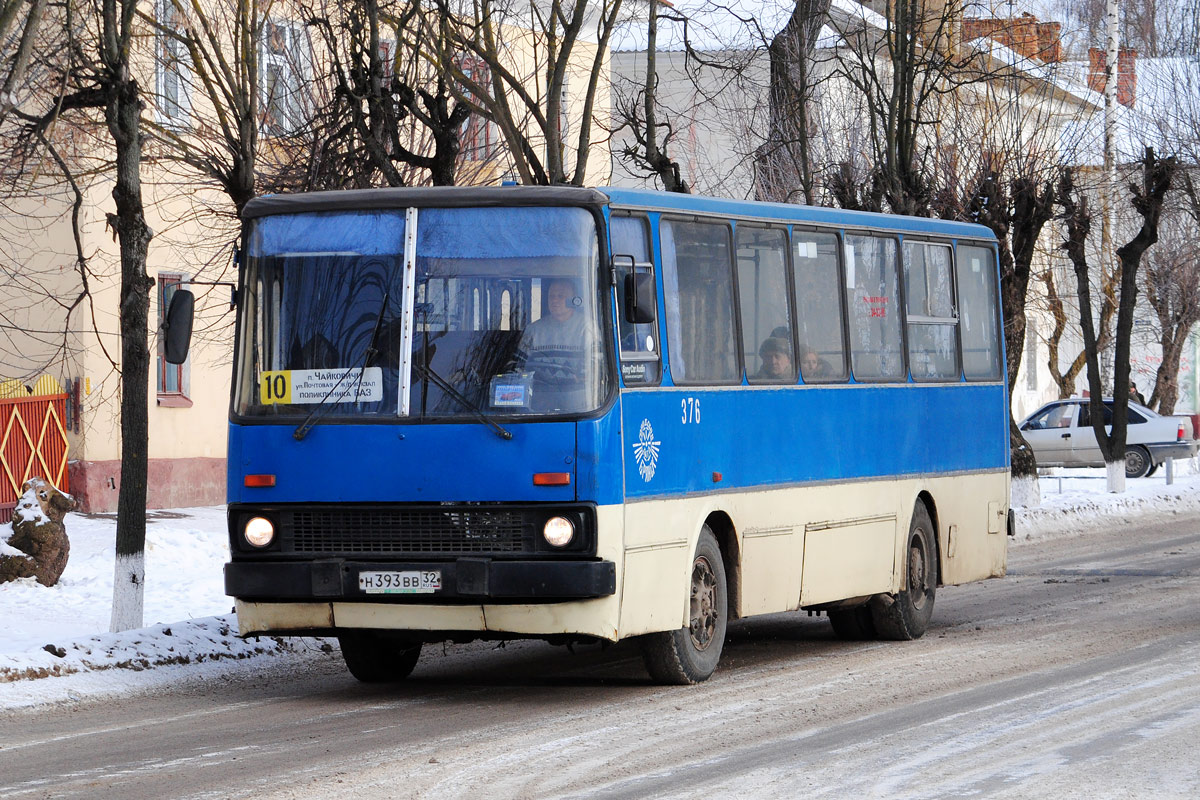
<point>409,532</point>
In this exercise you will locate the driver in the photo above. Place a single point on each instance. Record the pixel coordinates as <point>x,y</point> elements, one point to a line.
<point>564,336</point>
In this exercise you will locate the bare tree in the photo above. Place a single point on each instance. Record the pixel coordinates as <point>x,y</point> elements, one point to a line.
<point>901,75</point>
<point>528,52</point>
<point>1171,282</point>
<point>14,65</point>
<point>786,158</point>
<point>1152,27</point>
<point>1016,208</point>
<point>86,96</point>
<point>640,114</point>
<point>392,120</point>
<point>1147,200</point>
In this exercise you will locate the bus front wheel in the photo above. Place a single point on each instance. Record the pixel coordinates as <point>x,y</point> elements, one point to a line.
<point>906,616</point>
<point>374,658</point>
<point>690,655</point>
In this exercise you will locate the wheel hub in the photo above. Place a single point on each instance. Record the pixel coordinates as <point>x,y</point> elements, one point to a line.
<point>703,625</point>
<point>916,572</point>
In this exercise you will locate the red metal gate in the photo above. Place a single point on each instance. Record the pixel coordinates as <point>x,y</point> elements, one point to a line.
<point>33,441</point>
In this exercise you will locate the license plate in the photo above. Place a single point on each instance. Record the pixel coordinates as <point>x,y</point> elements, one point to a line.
<point>425,581</point>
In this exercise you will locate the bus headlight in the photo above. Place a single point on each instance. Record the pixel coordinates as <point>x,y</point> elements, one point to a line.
<point>259,532</point>
<point>559,531</point>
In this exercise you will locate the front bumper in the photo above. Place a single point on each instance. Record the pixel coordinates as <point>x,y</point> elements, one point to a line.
<point>464,579</point>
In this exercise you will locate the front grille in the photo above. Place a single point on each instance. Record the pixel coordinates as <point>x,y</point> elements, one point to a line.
<point>408,532</point>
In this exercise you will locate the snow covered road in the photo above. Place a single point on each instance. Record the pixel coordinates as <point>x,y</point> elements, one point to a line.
<point>1076,676</point>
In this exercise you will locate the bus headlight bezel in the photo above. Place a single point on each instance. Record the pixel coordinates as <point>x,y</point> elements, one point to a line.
<point>559,531</point>
<point>258,532</point>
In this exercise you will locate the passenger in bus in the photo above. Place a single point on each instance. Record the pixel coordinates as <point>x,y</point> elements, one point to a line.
<point>776,355</point>
<point>812,366</point>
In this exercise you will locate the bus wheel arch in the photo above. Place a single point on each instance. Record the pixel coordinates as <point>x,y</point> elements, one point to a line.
<point>906,615</point>
<point>931,508</point>
<point>690,654</point>
<point>721,526</point>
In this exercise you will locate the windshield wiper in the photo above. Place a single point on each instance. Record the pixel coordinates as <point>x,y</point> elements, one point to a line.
<point>426,372</point>
<point>321,409</point>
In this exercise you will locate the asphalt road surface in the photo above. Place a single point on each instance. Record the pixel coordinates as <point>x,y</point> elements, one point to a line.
<point>1078,675</point>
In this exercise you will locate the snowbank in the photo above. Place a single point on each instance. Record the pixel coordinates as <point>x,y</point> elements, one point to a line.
<point>1075,501</point>
<point>53,647</point>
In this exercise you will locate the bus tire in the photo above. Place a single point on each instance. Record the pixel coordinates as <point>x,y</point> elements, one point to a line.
<point>690,655</point>
<point>906,616</point>
<point>852,624</point>
<point>373,658</point>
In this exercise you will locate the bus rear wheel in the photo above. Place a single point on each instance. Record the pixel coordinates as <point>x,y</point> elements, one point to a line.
<point>906,616</point>
<point>377,658</point>
<point>690,655</point>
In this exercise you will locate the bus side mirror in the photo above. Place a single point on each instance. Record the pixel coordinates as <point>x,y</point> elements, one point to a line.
<point>639,298</point>
<point>177,330</point>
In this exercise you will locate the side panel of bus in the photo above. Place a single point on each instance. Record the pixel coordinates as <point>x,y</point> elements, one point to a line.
<point>810,489</point>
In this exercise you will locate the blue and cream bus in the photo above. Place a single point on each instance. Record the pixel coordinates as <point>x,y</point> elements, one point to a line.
<point>596,414</point>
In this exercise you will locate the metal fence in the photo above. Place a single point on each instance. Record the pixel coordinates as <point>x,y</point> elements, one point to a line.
<point>33,440</point>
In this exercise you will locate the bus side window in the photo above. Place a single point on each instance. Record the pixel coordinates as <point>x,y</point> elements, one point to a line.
<point>698,292</point>
<point>818,307</point>
<point>638,341</point>
<point>766,319</point>
<point>929,297</point>
<point>978,326</point>
<point>872,292</point>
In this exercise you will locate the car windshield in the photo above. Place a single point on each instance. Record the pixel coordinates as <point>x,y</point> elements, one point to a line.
<point>505,315</point>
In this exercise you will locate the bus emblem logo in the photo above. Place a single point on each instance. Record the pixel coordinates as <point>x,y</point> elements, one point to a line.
<point>645,450</point>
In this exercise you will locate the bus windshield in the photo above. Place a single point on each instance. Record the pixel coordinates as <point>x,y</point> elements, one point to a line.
<point>504,309</point>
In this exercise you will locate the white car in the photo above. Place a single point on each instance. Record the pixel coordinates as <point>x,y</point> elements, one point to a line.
<point>1061,435</point>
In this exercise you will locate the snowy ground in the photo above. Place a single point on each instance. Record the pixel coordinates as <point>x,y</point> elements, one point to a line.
<point>54,648</point>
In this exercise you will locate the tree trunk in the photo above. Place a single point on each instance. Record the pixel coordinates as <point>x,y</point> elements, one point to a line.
<point>1017,225</point>
<point>123,117</point>
<point>657,159</point>
<point>785,160</point>
<point>1166,385</point>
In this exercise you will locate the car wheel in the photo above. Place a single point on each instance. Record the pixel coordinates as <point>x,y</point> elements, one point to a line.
<point>906,616</point>
<point>1137,461</point>
<point>690,655</point>
<point>375,658</point>
<point>1153,469</point>
<point>852,624</point>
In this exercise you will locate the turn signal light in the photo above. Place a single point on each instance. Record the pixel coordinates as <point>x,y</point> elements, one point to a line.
<point>1179,433</point>
<point>260,481</point>
<point>551,479</point>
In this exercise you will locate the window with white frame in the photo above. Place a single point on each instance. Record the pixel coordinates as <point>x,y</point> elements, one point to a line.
<point>285,69</point>
<point>173,379</point>
<point>172,74</point>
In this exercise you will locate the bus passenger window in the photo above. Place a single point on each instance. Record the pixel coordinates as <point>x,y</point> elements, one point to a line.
<point>766,319</point>
<point>698,287</point>
<point>818,307</point>
<point>977,312</point>
<point>638,342</point>
<point>932,323</point>
<point>872,291</point>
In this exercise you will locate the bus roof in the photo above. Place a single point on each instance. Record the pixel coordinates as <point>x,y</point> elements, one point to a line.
<point>644,199</point>
<point>787,212</point>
